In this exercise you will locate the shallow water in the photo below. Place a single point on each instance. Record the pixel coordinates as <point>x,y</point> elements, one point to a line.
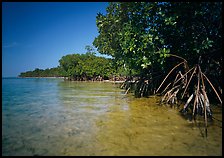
<point>53,117</point>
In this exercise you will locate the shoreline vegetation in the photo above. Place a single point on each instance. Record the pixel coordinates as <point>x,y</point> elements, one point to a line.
<point>65,78</point>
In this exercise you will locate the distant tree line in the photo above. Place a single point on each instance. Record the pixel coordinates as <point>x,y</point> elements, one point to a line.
<point>81,67</point>
<point>52,72</point>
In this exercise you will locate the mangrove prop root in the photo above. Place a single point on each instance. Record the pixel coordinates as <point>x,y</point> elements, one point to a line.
<point>169,74</point>
<point>166,88</point>
<point>206,103</point>
<point>188,101</point>
<point>173,97</point>
<point>201,102</point>
<point>183,76</point>
<point>197,91</point>
<point>170,94</point>
<point>212,88</point>
<point>178,57</point>
<point>127,90</point>
<point>189,82</point>
<point>179,73</point>
<point>201,99</point>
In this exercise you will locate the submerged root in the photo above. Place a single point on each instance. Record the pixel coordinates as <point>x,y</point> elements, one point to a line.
<point>140,87</point>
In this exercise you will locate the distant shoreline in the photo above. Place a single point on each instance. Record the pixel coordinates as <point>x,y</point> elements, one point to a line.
<point>106,81</point>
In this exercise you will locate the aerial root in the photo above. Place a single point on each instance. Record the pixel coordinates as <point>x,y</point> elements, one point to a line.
<point>180,85</point>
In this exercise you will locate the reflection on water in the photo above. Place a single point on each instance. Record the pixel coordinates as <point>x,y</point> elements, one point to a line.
<point>85,118</point>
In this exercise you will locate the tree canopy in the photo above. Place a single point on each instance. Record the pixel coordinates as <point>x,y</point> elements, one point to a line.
<point>141,35</point>
<point>85,66</point>
<point>52,72</point>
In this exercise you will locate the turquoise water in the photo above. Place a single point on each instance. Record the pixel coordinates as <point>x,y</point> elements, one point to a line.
<point>38,113</point>
<point>48,116</point>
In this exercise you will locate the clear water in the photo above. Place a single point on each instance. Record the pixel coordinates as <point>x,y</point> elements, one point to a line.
<point>43,116</point>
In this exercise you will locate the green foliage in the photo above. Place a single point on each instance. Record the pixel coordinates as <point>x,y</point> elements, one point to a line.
<point>128,32</point>
<point>90,50</point>
<point>86,66</point>
<point>141,35</point>
<point>52,72</point>
<point>197,31</point>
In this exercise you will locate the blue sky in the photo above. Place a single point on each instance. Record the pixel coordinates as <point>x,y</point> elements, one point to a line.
<point>37,35</point>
